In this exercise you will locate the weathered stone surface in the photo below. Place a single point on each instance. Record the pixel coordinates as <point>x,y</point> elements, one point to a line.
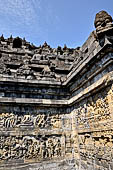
<point>103,22</point>
<point>56,105</point>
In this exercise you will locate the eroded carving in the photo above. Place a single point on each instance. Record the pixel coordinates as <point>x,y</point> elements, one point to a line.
<point>97,146</point>
<point>10,120</point>
<point>94,112</point>
<point>103,22</point>
<point>30,147</point>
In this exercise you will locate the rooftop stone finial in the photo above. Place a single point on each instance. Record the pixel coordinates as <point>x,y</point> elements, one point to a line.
<point>65,47</point>
<point>103,22</point>
<point>45,44</point>
<point>2,37</point>
<point>11,37</point>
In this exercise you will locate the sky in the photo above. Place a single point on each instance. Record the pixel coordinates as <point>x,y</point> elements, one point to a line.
<point>57,22</point>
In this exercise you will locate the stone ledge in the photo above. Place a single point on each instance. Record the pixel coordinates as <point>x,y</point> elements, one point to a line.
<point>102,82</point>
<point>77,69</point>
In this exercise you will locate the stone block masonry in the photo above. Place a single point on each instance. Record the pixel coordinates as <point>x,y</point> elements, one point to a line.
<point>56,104</point>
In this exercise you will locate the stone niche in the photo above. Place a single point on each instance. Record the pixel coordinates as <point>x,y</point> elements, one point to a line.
<point>56,105</point>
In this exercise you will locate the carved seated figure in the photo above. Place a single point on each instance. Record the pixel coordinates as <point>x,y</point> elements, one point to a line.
<point>103,22</point>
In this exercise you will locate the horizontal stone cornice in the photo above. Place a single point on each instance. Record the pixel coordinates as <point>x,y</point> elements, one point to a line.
<point>102,82</point>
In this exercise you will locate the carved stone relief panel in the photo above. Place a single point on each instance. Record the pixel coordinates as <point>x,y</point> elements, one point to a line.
<point>94,112</point>
<point>39,121</point>
<point>10,120</point>
<point>97,146</point>
<point>93,117</point>
<point>30,147</point>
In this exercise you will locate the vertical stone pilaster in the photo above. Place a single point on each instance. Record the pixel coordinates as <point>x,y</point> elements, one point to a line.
<point>110,102</point>
<point>63,145</point>
<point>76,153</point>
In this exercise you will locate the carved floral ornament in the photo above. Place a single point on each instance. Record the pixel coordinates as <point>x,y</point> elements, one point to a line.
<point>10,120</point>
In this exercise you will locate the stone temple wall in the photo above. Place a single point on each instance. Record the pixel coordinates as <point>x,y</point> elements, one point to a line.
<point>56,108</point>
